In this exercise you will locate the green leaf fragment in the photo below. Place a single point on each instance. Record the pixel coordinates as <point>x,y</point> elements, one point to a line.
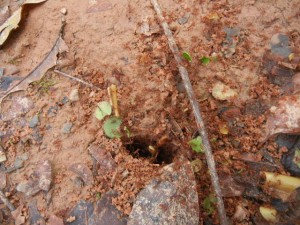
<point>187,56</point>
<point>196,144</point>
<point>103,109</point>
<point>205,60</point>
<point>208,204</point>
<point>111,127</point>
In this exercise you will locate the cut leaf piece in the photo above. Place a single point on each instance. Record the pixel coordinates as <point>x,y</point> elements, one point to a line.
<point>111,127</point>
<point>222,92</point>
<point>297,157</point>
<point>223,128</point>
<point>208,204</point>
<point>269,214</point>
<point>103,109</point>
<point>187,56</point>
<point>282,182</point>
<point>196,144</point>
<point>205,60</point>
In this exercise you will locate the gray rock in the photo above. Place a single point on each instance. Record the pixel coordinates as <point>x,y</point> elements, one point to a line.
<point>82,211</point>
<point>35,217</point>
<point>103,158</point>
<point>184,19</point>
<point>100,213</point>
<point>170,199</point>
<point>66,129</point>
<point>52,111</point>
<point>280,45</point>
<point>40,180</point>
<point>34,121</point>
<point>83,172</point>
<point>19,106</point>
<point>1,72</point>
<point>105,213</point>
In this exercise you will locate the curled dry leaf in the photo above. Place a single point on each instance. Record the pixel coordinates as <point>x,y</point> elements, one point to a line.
<point>284,117</point>
<point>12,22</point>
<point>50,61</point>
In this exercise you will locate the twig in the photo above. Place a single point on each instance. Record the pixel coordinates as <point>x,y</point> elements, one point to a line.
<point>6,201</point>
<point>199,121</point>
<point>112,92</point>
<point>77,79</point>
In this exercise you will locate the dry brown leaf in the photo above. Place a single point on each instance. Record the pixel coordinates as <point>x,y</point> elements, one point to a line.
<point>12,22</point>
<point>50,61</point>
<point>285,116</point>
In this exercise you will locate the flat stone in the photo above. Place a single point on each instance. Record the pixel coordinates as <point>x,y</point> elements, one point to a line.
<point>34,121</point>
<point>74,95</point>
<point>66,128</point>
<point>103,158</point>
<point>54,220</point>
<point>52,111</point>
<point>44,174</point>
<point>35,217</point>
<point>2,179</point>
<point>279,45</point>
<point>81,212</point>
<point>105,213</point>
<point>40,180</point>
<point>170,199</point>
<point>83,172</point>
<point>19,106</point>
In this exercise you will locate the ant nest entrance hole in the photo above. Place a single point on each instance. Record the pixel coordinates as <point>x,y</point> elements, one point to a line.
<point>161,151</point>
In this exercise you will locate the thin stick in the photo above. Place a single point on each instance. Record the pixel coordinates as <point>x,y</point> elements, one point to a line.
<point>75,78</point>
<point>112,91</point>
<point>199,121</point>
<point>6,201</point>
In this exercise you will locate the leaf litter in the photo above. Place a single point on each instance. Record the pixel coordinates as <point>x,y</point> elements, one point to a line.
<point>13,21</point>
<point>37,74</point>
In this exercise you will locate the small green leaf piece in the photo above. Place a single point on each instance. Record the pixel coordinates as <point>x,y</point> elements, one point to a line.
<point>196,144</point>
<point>205,60</point>
<point>103,109</point>
<point>208,204</point>
<point>111,127</point>
<point>187,56</point>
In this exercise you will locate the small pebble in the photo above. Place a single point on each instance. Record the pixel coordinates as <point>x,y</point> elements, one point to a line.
<point>34,121</point>
<point>63,11</point>
<point>184,19</point>
<point>66,129</point>
<point>74,95</point>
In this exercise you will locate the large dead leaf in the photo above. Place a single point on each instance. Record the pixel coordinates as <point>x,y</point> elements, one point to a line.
<point>12,22</point>
<point>285,116</point>
<point>50,61</point>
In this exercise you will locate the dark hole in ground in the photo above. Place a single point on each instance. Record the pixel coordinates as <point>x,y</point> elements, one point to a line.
<point>138,147</point>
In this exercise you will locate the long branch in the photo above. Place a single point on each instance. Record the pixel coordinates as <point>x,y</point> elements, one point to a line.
<point>200,124</point>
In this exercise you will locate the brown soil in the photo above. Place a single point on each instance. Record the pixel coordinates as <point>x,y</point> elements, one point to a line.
<point>106,46</point>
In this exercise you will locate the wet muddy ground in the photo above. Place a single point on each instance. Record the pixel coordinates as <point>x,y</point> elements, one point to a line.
<point>121,42</point>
